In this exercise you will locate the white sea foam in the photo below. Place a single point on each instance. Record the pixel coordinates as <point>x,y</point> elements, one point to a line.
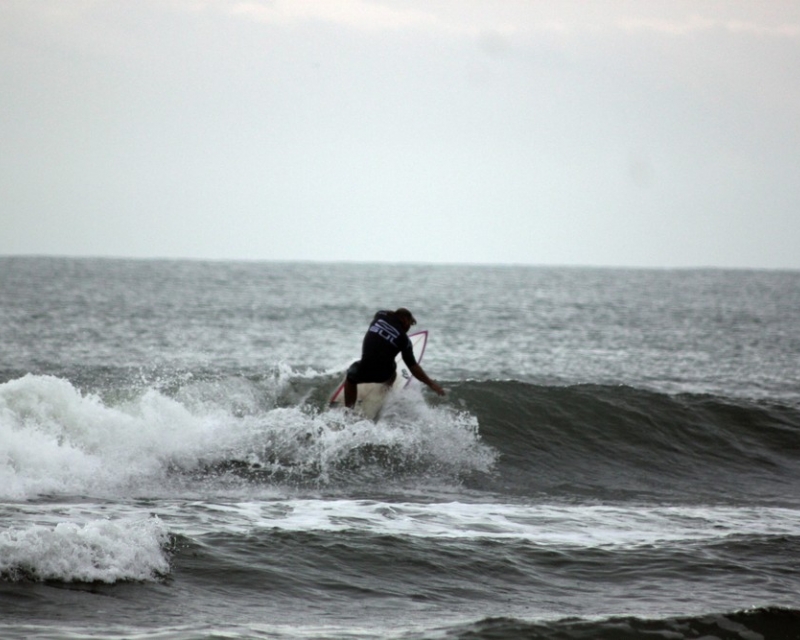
<point>56,440</point>
<point>53,439</point>
<point>98,550</point>
<point>545,525</point>
<point>334,446</point>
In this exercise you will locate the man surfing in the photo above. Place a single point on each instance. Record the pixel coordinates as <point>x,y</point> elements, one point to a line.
<point>386,337</point>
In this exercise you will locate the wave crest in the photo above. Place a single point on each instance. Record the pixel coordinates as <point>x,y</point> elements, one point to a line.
<point>57,440</point>
<point>129,549</point>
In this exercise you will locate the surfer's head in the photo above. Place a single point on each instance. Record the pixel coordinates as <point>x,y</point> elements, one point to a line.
<point>405,316</point>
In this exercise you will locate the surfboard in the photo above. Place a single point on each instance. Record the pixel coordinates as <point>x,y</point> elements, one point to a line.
<point>371,395</point>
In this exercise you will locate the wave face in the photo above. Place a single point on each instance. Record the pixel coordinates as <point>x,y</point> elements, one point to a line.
<point>511,438</point>
<point>608,442</point>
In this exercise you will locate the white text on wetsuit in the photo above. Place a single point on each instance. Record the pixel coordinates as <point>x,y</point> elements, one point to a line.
<point>385,331</point>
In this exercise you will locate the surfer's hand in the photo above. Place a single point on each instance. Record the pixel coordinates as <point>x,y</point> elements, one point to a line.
<point>438,389</point>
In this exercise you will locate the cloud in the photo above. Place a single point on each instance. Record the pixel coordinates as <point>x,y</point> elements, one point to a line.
<point>781,30</point>
<point>518,20</point>
<point>356,14</point>
<point>695,24</point>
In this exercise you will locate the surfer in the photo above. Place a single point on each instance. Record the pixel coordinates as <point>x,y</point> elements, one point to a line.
<point>385,338</point>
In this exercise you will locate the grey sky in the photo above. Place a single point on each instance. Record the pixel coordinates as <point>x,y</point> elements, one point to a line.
<point>662,133</point>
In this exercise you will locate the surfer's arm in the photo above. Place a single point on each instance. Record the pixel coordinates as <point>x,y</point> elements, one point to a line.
<point>420,375</point>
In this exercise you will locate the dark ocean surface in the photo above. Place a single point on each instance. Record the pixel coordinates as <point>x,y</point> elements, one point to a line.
<point>617,456</point>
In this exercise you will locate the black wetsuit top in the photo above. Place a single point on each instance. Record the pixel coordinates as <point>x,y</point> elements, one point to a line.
<point>384,339</point>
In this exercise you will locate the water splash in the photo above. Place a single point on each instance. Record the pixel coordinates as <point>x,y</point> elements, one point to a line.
<point>56,440</point>
<point>128,549</point>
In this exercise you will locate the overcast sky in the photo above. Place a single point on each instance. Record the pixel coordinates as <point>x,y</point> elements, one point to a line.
<point>628,133</point>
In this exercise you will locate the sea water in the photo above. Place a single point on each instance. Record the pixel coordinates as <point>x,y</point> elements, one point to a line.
<point>617,456</point>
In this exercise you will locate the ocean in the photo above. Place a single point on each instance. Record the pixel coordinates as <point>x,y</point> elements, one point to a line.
<point>617,455</point>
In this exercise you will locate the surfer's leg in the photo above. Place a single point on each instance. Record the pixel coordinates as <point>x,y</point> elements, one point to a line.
<point>391,380</point>
<point>350,394</point>
<point>351,385</point>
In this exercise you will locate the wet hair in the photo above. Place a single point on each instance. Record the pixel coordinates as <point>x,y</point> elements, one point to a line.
<point>404,313</point>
